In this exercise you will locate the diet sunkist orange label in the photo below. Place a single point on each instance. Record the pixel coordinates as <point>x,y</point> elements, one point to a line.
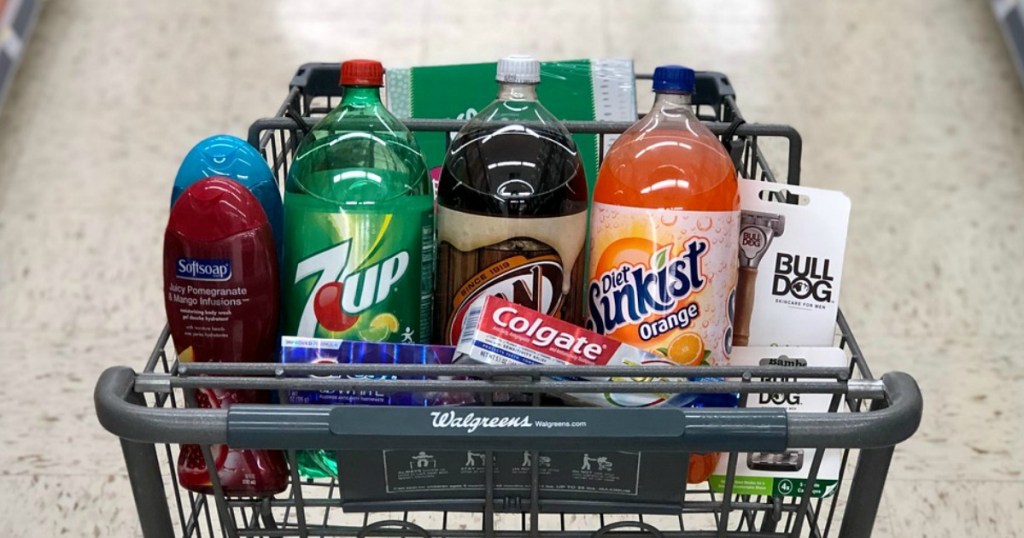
<point>664,280</point>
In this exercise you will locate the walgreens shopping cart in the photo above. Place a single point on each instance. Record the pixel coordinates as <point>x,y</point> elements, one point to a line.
<point>146,410</point>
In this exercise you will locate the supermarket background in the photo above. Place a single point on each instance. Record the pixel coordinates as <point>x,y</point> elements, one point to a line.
<point>912,108</point>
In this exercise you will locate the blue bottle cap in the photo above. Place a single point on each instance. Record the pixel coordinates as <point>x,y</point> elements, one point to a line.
<point>675,79</point>
<point>222,155</point>
<point>232,157</point>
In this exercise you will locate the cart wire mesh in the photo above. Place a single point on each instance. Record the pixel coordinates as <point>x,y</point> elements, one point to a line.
<point>314,507</point>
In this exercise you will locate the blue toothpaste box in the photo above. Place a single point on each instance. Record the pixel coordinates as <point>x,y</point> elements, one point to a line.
<point>328,351</point>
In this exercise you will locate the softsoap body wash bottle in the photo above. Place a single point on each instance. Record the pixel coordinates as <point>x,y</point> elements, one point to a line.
<point>221,291</point>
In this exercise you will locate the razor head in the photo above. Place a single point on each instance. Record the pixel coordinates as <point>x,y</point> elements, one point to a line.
<point>775,222</point>
<point>757,229</point>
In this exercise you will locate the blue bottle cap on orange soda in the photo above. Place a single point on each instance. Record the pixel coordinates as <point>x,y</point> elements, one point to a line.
<point>675,79</point>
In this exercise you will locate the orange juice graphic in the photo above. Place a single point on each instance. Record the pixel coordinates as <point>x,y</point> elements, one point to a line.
<point>664,234</point>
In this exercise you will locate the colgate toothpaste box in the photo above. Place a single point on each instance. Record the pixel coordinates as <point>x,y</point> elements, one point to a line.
<point>501,332</point>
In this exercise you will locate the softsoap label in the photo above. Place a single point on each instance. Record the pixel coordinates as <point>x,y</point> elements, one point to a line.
<point>792,243</point>
<point>785,473</point>
<point>198,269</point>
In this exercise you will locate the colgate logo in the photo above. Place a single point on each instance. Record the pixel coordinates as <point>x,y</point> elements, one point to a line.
<point>545,336</point>
<point>630,293</point>
<point>471,422</point>
<point>211,270</point>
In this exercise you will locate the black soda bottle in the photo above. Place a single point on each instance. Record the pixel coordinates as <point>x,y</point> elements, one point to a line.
<point>512,209</point>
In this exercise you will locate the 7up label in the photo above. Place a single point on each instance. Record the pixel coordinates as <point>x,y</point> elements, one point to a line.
<point>331,305</point>
<point>358,275</point>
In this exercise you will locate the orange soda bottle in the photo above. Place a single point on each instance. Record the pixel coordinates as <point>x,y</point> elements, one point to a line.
<point>664,236</point>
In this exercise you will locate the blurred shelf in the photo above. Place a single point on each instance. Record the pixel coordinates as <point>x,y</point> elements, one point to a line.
<point>1010,16</point>
<point>17,18</point>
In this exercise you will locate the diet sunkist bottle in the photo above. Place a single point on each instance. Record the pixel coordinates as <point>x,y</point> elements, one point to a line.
<point>359,229</point>
<point>664,233</point>
<point>664,241</point>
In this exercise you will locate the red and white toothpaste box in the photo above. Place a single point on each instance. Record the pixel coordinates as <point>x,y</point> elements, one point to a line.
<point>501,332</point>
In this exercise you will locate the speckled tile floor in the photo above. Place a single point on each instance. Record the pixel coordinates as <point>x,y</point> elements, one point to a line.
<point>910,107</point>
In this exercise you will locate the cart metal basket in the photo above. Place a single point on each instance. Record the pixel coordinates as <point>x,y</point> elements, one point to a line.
<point>146,411</point>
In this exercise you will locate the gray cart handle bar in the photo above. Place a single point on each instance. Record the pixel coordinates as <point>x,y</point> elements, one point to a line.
<point>891,421</point>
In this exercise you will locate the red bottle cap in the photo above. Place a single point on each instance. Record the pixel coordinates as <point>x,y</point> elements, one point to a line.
<point>362,73</point>
<point>215,208</point>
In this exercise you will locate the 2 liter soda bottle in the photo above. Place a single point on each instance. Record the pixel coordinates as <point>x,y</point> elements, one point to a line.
<point>512,209</point>
<point>664,240</point>
<point>359,227</point>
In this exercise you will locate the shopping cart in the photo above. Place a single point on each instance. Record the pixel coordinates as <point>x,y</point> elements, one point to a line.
<point>146,410</point>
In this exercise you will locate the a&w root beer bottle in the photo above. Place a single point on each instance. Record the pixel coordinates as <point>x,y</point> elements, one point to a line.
<point>512,209</point>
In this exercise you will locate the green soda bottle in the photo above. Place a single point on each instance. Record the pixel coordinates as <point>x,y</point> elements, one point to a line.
<point>358,228</point>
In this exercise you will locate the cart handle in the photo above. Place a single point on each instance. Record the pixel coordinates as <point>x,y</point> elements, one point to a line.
<point>890,422</point>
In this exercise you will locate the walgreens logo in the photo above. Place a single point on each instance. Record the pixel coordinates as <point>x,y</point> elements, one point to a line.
<point>471,422</point>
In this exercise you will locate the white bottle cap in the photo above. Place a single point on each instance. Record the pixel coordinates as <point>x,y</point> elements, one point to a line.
<point>518,69</point>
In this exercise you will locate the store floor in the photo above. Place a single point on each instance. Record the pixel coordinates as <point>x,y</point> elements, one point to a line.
<point>910,107</point>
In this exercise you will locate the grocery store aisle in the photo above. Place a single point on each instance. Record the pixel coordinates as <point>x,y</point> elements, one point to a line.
<point>911,108</point>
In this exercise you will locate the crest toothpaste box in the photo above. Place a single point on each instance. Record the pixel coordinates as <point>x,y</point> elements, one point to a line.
<point>501,332</point>
<point>328,351</point>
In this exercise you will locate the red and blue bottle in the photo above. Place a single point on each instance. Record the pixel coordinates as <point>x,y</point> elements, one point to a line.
<point>221,291</point>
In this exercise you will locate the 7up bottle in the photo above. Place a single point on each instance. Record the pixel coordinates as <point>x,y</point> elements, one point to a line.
<point>359,224</point>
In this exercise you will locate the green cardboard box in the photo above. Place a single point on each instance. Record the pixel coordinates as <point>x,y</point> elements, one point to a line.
<point>574,90</point>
